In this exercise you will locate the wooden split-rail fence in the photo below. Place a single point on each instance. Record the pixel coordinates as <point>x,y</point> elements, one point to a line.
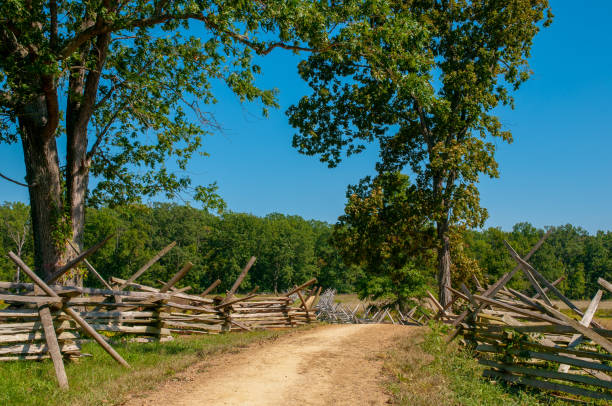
<point>328,310</point>
<point>526,340</point>
<point>45,320</point>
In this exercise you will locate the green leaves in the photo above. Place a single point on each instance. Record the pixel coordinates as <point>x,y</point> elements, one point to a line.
<point>386,231</point>
<point>420,79</point>
<point>139,74</point>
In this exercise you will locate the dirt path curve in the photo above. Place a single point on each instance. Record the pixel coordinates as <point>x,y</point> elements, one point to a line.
<point>330,365</point>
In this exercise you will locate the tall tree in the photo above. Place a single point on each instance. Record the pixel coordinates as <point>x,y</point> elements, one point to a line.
<point>421,78</point>
<point>116,79</point>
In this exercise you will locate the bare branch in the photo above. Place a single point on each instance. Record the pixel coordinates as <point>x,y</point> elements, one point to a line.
<point>123,37</point>
<point>53,34</point>
<point>93,79</point>
<point>16,182</point>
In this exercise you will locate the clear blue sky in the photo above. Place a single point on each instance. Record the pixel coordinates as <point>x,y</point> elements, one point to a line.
<point>557,170</point>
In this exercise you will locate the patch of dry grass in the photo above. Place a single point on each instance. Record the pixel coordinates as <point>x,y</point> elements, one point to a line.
<point>349,299</point>
<point>424,370</point>
<point>408,379</point>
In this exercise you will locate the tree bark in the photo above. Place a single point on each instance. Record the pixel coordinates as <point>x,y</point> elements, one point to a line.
<point>76,133</point>
<point>444,264</point>
<point>43,176</point>
<point>58,213</point>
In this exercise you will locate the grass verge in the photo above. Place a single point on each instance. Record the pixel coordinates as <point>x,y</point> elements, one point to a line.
<point>99,380</point>
<point>424,370</point>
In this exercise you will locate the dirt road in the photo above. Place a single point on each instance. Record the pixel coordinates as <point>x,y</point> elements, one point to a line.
<point>330,365</point>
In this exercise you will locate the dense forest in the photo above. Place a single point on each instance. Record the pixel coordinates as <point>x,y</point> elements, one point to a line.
<point>290,249</point>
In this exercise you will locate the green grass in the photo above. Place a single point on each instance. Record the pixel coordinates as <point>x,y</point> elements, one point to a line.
<point>100,380</point>
<point>424,370</point>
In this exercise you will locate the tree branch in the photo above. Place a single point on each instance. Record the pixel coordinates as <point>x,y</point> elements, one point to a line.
<point>9,37</point>
<point>53,33</point>
<point>16,182</point>
<point>6,99</point>
<point>102,133</point>
<point>73,44</point>
<point>93,80</point>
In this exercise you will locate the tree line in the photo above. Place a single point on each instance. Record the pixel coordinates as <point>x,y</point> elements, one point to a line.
<point>569,252</point>
<point>290,250</point>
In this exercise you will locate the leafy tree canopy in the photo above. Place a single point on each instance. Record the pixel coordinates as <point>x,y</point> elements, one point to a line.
<point>421,78</point>
<point>145,69</point>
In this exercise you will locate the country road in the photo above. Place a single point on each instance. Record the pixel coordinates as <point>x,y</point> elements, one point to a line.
<point>329,365</point>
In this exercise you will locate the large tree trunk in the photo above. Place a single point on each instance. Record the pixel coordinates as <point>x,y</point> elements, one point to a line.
<point>77,167</point>
<point>444,263</point>
<point>76,150</point>
<point>43,174</point>
<point>442,228</point>
<point>83,88</point>
<point>77,178</point>
<point>58,213</point>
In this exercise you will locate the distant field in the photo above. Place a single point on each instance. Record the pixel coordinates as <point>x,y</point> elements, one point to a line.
<point>349,299</point>
<point>604,305</point>
<point>604,310</point>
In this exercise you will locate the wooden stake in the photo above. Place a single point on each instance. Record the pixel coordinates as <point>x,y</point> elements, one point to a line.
<point>586,321</point>
<point>553,288</point>
<point>605,284</point>
<point>527,270</point>
<point>211,287</point>
<point>527,300</point>
<point>90,267</point>
<point>181,290</point>
<point>590,333</point>
<point>148,265</point>
<point>241,277</point>
<point>558,281</point>
<point>436,303</point>
<point>468,295</point>
<point>477,282</point>
<point>520,311</point>
<point>303,303</point>
<point>459,294</point>
<point>58,273</point>
<point>53,346</point>
<point>236,300</point>
<point>177,277</point>
<point>493,289</point>
<point>302,286</point>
